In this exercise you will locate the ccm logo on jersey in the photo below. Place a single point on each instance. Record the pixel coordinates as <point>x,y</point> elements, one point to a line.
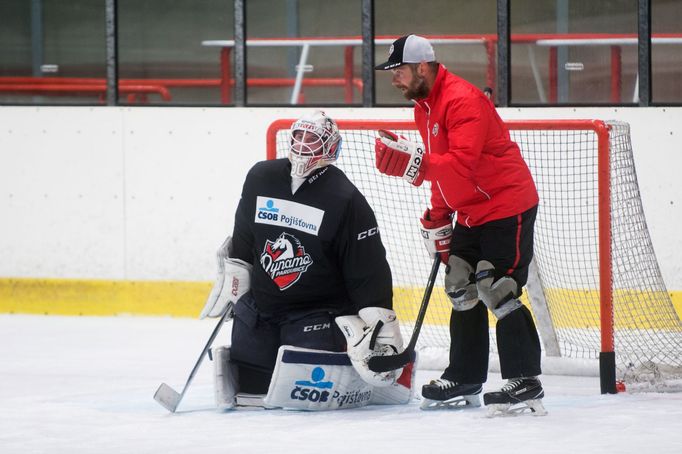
<point>367,233</point>
<point>285,213</point>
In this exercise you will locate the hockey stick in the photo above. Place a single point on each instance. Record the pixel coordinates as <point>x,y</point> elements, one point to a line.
<point>386,363</point>
<point>170,398</point>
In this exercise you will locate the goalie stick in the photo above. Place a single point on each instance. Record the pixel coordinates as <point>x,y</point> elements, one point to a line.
<point>170,398</point>
<point>386,363</point>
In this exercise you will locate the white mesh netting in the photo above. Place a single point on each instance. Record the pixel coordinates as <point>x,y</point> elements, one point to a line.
<point>564,162</point>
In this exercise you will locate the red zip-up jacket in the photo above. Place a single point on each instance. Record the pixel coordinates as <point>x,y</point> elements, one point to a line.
<point>474,167</point>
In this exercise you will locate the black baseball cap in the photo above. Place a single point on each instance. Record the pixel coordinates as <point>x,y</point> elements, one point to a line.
<point>408,49</point>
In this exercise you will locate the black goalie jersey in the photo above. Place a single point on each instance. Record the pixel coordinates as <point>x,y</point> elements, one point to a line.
<point>318,248</point>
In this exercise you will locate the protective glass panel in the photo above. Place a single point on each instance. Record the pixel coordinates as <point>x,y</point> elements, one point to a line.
<point>463,34</point>
<point>306,52</point>
<point>666,51</point>
<point>568,52</point>
<point>52,52</point>
<point>175,51</point>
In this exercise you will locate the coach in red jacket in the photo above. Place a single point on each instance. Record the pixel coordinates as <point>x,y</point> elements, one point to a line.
<point>478,177</point>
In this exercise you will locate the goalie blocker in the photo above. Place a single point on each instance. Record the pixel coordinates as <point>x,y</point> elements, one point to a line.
<point>311,380</point>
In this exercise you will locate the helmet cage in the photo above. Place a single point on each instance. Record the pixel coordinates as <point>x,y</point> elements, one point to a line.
<point>314,142</point>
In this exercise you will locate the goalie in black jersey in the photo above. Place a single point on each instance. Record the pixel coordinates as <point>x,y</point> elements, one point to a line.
<point>306,269</point>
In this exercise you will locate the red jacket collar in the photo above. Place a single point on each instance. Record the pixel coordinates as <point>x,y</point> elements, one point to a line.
<point>435,90</point>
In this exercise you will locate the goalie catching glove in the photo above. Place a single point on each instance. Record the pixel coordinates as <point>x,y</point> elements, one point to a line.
<point>437,235</point>
<point>398,157</point>
<point>233,281</point>
<point>375,331</point>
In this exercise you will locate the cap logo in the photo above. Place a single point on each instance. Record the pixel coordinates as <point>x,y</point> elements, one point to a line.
<point>390,50</point>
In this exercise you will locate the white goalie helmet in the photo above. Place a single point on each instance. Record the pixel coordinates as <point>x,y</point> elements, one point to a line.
<point>314,142</point>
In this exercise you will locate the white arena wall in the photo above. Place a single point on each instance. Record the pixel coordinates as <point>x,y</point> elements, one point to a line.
<point>149,193</point>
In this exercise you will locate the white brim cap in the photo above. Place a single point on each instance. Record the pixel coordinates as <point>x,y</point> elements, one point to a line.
<point>408,49</point>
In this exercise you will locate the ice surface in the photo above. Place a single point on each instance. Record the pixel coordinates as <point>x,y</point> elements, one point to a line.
<point>85,385</point>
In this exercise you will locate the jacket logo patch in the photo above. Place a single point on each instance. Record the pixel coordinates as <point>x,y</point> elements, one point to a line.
<point>285,260</point>
<point>434,131</point>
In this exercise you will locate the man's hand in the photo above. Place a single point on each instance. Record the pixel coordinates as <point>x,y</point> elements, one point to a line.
<point>437,235</point>
<point>398,157</point>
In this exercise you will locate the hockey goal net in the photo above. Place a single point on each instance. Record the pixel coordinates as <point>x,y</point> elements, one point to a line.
<point>595,290</point>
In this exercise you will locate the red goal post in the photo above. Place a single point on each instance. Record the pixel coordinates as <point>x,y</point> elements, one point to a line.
<point>587,183</point>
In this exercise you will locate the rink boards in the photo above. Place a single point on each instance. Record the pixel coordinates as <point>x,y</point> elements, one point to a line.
<point>185,299</point>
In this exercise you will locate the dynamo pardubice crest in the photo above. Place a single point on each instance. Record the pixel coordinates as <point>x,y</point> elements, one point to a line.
<point>285,260</point>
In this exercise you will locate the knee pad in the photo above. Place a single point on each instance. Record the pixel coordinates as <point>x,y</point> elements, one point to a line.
<point>499,296</point>
<point>225,378</point>
<point>459,284</point>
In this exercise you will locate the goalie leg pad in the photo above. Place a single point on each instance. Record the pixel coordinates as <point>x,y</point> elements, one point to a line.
<point>225,378</point>
<point>307,379</point>
<point>399,393</point>
<point>226,384</point>
<point>460,285</point>
<point>499,296</point>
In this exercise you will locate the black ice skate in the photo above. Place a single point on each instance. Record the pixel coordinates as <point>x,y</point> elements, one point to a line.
<point>518,395</point>
<point>444,393</point>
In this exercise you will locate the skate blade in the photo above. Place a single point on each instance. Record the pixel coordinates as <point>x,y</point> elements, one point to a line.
<point>459,402</point>
<point>533,406</point>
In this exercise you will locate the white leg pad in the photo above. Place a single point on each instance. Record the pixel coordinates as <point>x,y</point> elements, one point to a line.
<point>306,379</point>
<point>399,393</point>
<point>225,378</point>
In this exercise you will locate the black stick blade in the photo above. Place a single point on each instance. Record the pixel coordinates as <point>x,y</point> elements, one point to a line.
<point>391,362</point>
